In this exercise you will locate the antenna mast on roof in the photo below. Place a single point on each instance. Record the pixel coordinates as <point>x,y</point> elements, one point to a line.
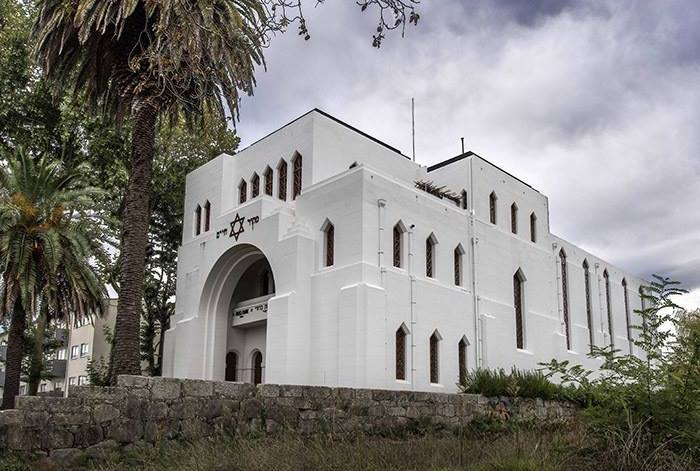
<point>413,127</point>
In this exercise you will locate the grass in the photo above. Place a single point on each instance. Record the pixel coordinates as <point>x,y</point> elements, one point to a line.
<point>490,448</point>
<point>518,383</point>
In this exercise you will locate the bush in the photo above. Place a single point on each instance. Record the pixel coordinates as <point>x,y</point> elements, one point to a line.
<point>517,383</point>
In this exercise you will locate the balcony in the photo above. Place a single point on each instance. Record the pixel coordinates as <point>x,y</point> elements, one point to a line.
<point>251,312</point>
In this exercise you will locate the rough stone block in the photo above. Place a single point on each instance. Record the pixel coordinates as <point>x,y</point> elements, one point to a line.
<point>197,388</point>
<point>69,418</point>
<point>125,431</point>
<point>102,450</point>
<point>12,417</point>
<point>66,456</point>
<point>133,381</point>
<point>105,413</point>
<point>184,409</point>
<point>165,388</point>
<point>291,391</point>
<point>269,390</point>
<point>250,409</point>
<point>234,390</point>
<point>31,403</point>
<point>21,439</point>
<point>88,435</point>
<point>55,437</point>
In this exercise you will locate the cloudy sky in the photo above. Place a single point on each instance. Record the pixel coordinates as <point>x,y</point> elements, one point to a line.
<point>595,103</point>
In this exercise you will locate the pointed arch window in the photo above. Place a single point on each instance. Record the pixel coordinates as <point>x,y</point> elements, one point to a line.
<point>514,218</point>
<point>608,304</point>
<point>643,303</point>
<point>565,297</point>
<point>533,227</point>
<point>430,243</point>
<point>397,244</point>
<point>267,177</point>
<point>401,352</point>
<point>296,169</point>
<point>328,243</point>
<point>458,265</point>
<point>435,357</point>
<point>493,201</point>
<point>255,184</point>
<point>463,199</point>
<point>589,314</point>
<point>242,192</point>
<point>462,359</point>
<point>627,314</point>
<point>198,220</point>
<point>518,301</point>
<point>282,180</point>
<point>207,216</point>
<point>257,367</point>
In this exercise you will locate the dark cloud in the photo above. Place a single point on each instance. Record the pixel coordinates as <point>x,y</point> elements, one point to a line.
<point>593,102</point>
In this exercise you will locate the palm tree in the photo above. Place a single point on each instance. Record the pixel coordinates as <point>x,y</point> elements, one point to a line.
<point>47,240</point>
<point>142,60</point>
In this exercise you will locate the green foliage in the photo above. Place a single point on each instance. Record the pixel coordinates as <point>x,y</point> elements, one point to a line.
<point>649,403</point>
<point>98,372</point>
<point>517,383</point>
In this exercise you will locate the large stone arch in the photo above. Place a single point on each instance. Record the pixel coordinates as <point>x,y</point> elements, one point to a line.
<point>231,271</point>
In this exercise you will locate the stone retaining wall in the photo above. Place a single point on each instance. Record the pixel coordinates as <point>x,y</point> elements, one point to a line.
<point>150,410</point>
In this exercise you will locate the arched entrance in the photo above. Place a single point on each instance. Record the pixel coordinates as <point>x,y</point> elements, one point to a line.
<point>235,300</point>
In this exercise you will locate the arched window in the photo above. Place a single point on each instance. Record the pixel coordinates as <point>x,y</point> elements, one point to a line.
<point>435,357</point>
<point>493,200</point>
<point>589,314</point>
<point>255,184</point>
<point>242,192</point>
<point>608,303</point>
<point>462,359</point>
<point>518,299</point>
<point>514,218</point>
<point>267,283</point>
<point>458,264</point>
<point>257,367</point>
<point>296,168</point>
<point>198,220</point>
<point>430,256</point>
<point>207,216</point>
<point>643,303</point>
<point>397,244</point>
<point>268,181</point>
<point>231,367</point>
<point>463,199</point>
<point>401,352</point>
<point>328,243</point>
<point>533,227</point>
<point>627,314</point>
<point>282,180</point>
<point>565,297</point>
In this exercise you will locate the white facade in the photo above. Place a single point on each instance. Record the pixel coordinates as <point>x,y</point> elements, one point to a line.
<point>253,285</point>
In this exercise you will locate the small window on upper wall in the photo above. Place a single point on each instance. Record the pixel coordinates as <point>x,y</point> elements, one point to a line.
<point>458,265</point>
<point>463,199</point>
<point>397,244</point>
<point>207,216</point>
<point>242,192</point>
<point>255,183</point>
<point>328,243</point>
<point>198,220</point>
<point>493,200</point>
<point>430,244</point>
<point>533,227</point>
<point>282,180</point>
<point>297,176</point>
<point>267,176</point>
<point>514,218</point>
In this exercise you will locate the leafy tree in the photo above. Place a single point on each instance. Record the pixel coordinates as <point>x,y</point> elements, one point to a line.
<point>650,403</point>
<point>47,237</point>
<point>142,60</point>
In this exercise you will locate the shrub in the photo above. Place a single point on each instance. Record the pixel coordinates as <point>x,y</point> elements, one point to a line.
<point>517,383</point>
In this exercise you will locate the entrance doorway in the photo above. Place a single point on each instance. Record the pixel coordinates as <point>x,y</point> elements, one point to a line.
<point>231,367</point>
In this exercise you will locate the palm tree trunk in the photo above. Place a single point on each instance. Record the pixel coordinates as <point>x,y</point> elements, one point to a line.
<point>13,361</point>
<point>125,354</point>
<point>36,365</point>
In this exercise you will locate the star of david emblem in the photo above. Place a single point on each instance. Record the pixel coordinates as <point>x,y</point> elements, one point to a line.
<point>237,227</point>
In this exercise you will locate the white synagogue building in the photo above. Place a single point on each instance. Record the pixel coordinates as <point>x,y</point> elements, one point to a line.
<point>314,257</point>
